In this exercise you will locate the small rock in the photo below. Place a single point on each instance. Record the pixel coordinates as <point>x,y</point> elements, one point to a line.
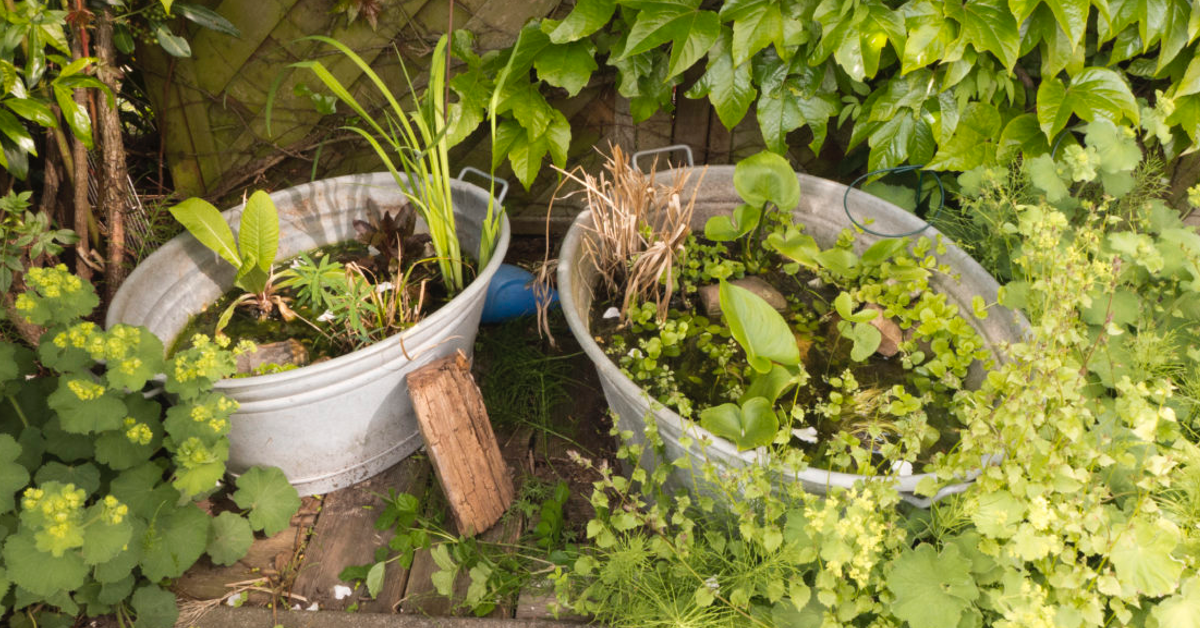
<point>710,295</point>
<point>285,352</point>
<point>892,335</point>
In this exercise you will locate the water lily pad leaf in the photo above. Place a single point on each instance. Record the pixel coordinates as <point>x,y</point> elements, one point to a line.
<point>932,589</point>
<point>41,573</point>
<point>1142,557</point>
<point>752,425</point>
<point>866,338</point>
<point>269,497</point>
<point>229,538</point>
<point>767,177</point>
<point>155,607</point>
<point>758,328</point>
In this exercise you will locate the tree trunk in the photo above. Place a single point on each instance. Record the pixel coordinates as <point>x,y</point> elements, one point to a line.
<point>83,209</point>
<point>114,196</point>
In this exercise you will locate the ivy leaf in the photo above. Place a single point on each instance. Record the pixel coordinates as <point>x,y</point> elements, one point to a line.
<point>890,142</point>
<point>229,538</point>
<point>752,425</point>
<point>973,143</point>
<point>932,589</point>
<point>154,607</point>
<point>41,573</point>
<point>1021,136</point>
<point>778,115</point>
<point>729,88</point>
<point>758,328</point>
<point>586,17</point>
<point>173,542</point>
<point>1142,557</point>
<point>569,66</point>
<point>13,476</point>
<point>102,541</point>
<point>1072,16</point>
<point>1094,92</point>
<point>269,497</point>
<point>989,25</point>
<point>691,31</point>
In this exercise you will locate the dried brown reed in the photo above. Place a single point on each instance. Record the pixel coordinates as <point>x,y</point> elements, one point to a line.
<point>638,228</point>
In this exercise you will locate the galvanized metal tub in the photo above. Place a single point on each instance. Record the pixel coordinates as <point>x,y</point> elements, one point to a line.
<point>821,210</point>
<point>335,423</point>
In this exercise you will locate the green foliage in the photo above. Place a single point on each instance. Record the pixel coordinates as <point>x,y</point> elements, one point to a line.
<point>105,487</point>
<point>253,253</point>
<point>26,236</point>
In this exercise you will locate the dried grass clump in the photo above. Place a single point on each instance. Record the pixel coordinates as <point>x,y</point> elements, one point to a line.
<point>639,228</point>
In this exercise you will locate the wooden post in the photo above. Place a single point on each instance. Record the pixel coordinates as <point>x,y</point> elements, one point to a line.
<point>461,444</point>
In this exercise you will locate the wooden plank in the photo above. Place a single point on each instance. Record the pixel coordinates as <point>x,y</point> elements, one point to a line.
<point>461,444</point>
<point>345,535</point>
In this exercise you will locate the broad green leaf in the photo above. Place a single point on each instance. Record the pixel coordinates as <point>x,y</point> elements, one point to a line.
<point>756,25</point>
<point>1072,16</point>
<point>118,450</point>
<point>77,117</point>
<point>690,29</point>
<point>721,228</point>
<point>142,489</point>
<point>778,115</point>
<point>925,45</point>
<point>568,66</point>
<point>932,589</point>
<point>154,607</point>
<point>1021,136</point>
<point>840,262</point>
<point>974,141</point>
<point>866,338</point>
<point>207,18</point>
<point>258,232</point>
<point>41,573</point>
<point>845,309</point>
<point>729,88</point>
<point>989,25</point>
<point>997,513</point>
<point>586,17</point>
<point>121,567</point>
<point>773,383</point>
<point>767,177</point>
<point>1190,83</point>
<point>141,363</point>
<point>86,407</point>
<point>102,540</point>
<point>269,497</point>
<point>752,425</point>
<point>229,538</point>
<point>173,542</point>
<point>890,142</point>
<point>796,246</point>
<point>1118,150</point>
<point>207,225</point>
<point>11,127</point>
<point>1094,92</point>
<point>173,44</point>
<point>1181,610</point>
<point>883,250</point>
<point>758,328</point>
<point>13,476</point>
<point>85,475</point>
<point>202,478</point>
<point>374,579</point>
<point>1142,557</point>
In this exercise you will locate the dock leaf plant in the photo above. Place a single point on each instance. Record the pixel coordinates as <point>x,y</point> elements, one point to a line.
<point>100,484</point>
<point>1085,505</point>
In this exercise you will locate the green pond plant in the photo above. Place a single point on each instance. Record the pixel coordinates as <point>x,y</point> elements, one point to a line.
<point>100,482</point>
<point>1089,518</point>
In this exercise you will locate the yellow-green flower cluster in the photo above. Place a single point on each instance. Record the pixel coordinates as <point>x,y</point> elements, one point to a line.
<point>193,453</point>
<point>114,510</point>
<point>56,510</point>
<point>85,390</point>
<point>138,433</point>
<point>53,282</point>
<point>206,359</point>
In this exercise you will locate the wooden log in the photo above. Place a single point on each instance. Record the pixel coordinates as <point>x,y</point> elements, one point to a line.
<point>461,444</point>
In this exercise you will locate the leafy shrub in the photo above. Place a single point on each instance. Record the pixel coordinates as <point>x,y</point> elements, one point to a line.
<point>106,482</point>
<point>946,83</point>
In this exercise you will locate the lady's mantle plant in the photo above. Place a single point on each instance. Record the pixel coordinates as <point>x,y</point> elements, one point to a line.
<point>98,486</point>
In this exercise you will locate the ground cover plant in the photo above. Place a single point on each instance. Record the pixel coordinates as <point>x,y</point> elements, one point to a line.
<point>101,482</point>
<point>1089,518</point>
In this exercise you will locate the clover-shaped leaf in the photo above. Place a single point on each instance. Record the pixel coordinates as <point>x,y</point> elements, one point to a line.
<point>229,538</point>
<point>932,589</point>
<point>265,492</point>
<point>723,228</point>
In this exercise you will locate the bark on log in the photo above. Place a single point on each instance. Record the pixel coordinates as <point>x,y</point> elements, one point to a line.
<point>461,443</point>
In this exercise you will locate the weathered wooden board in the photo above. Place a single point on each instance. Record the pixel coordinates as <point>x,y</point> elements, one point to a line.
<point>345,535</point>
<point>461,443</point>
